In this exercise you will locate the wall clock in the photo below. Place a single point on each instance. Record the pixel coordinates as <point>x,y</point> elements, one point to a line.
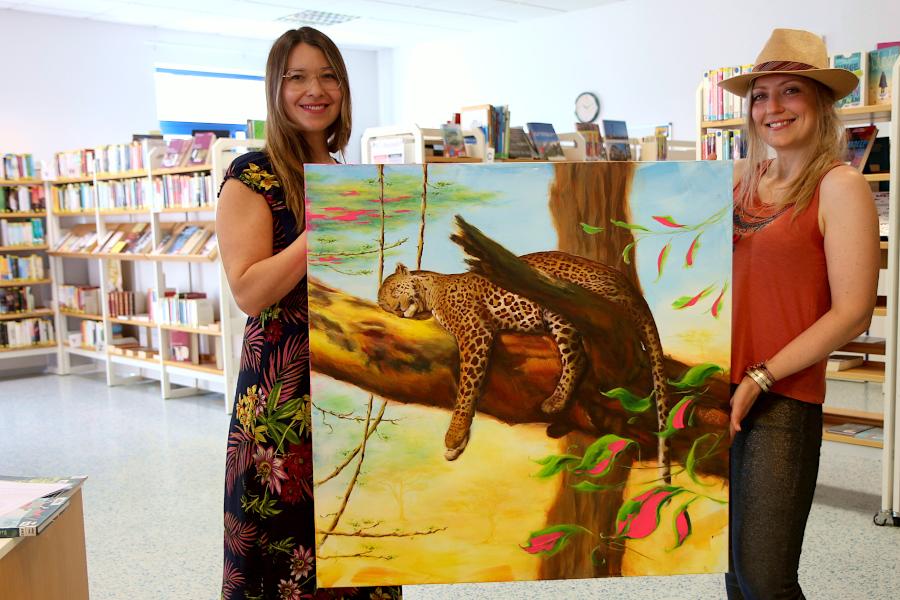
<point>587,107</point>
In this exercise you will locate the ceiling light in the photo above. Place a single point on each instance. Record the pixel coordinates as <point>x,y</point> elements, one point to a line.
<point>317,17</point>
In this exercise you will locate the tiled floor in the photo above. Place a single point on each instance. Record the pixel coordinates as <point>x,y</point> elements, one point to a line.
<point>153,501</point>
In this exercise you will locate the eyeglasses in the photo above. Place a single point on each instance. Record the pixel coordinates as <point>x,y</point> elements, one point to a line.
<point>300,80</point>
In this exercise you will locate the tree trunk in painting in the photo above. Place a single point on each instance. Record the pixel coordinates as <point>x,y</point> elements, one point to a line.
<point>593,194</point>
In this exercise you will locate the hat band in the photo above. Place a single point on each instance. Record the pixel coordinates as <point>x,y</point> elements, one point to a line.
<point>782,65</point>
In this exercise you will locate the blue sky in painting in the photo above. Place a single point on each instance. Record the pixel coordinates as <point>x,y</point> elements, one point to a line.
<point>516,216</point>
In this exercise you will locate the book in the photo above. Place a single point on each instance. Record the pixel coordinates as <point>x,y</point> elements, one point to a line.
<point>848,428</point>
<point>256,129</point>
<point>454,144</point>
<point>855,62</point>
<point>176,151</point>
<point>842,362</point>
<point>859,144</point>
<point>34,517</point>
<point>880,67</point>
<point>879,160</point>
<point>618,144</point>
<point>199,152</point>
<point>520,144</point>
<point>882,206</point>
<point>545,141</point>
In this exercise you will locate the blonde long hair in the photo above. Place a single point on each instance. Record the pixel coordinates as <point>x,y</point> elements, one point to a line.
<point>829,146</point>
<point>285,146</point>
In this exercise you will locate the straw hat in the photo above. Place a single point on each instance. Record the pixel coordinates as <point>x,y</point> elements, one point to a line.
<point>793,51</point>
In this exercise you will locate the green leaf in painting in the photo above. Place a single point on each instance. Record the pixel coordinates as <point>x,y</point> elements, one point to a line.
<point>590,229</point>
<point>697,375</point>
<point>625,225</point>
<point>629,401</point>
<point>626,252</point>
<point>702,447</point>
<point>553,464</point>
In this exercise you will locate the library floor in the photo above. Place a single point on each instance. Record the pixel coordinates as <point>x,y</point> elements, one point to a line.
<point>153,501</point>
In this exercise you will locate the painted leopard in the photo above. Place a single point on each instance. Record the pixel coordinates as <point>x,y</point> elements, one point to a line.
<point>474,311</point>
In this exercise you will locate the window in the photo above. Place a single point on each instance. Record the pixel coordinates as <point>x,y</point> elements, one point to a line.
<point>187,100</point>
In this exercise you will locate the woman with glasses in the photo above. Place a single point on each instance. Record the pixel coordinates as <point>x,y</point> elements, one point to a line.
<point>269,518</point>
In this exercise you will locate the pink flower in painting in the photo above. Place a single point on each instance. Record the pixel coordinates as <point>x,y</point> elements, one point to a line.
<point>644,521</point>
<point>288,589</point>
<point>350,193</point>
<point>269,468</point>
<point>302,561</point>
<point>543,543</point>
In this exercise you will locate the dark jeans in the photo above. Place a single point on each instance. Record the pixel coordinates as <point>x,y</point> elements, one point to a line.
<point>774,464</point>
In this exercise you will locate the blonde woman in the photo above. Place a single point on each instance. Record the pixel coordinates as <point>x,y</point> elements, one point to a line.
<point>806,262</point>
<point>269,526</point>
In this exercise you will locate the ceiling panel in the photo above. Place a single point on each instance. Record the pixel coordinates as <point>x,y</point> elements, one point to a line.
<point>381,23</point>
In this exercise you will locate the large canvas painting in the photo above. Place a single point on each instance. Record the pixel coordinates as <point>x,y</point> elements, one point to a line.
<point>519,371</point>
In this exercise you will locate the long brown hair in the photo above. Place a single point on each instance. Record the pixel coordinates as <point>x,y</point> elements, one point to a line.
<point>828,146</point>
<point>286,147</point>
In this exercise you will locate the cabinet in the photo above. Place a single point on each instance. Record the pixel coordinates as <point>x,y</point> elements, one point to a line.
<point>163,340</point>
<point>27,301</point>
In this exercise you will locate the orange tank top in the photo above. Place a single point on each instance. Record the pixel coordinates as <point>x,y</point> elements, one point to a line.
<point>780,289</point>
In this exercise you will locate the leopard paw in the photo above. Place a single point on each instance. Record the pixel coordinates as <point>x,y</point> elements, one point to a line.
<point>453,452</point>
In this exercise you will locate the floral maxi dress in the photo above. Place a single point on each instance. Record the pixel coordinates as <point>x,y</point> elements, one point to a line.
<point>269,518</point>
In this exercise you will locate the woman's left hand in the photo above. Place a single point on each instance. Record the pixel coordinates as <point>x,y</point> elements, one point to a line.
<point>742,401</point>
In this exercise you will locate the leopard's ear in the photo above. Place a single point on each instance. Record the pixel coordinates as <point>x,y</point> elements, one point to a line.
<point>401,269</point>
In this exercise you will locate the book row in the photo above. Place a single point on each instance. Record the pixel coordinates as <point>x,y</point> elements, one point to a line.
<point>79,298</point>
<point>27,332</point>
<point>16,300</point>
<point>138,155</point>
<point>91,336</point>
<point>73,197</point>
<point>22,233</point>
<point>723,144</point>
<point>873,68</point>
<point>192,309</point>
<point>23,198</point>
<point>716,103</point>
<point>181,191</point>
<point>123,304</point>
<point>22,267</point>
<point>123,194</point>
<point>177,239</point>
<point>173,191</point>
<point>17,166</point>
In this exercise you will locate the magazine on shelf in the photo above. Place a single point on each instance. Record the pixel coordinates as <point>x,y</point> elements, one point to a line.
<point>856,63</point>
<point>880,67</point>
<point>618,144</point>
<point>454,143</point>
<point>545,140</point>
<point>850,429</point>
<point>859,144</point>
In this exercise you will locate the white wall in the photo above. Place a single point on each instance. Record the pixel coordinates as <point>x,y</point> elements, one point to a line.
<point>644,58</point>
<point>77,83</point>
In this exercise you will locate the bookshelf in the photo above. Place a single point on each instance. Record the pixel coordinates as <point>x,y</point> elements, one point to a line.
<point>24,227</point>
<point>151,203</point>
<point>880,365</point>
